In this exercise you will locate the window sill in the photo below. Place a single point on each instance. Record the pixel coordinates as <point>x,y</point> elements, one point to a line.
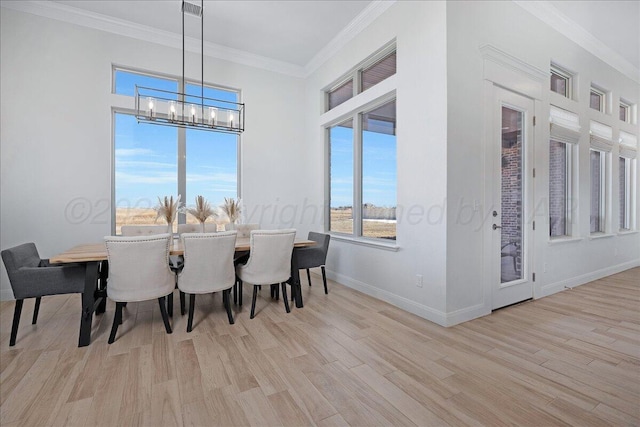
<point>561,240</point>
<point>627,232</point>
<point>365,242</point>
<point>600,236</point>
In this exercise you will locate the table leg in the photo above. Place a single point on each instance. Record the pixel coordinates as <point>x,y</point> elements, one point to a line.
<point>295,279</point>
<point>88,300</point>
<point>102,287</point>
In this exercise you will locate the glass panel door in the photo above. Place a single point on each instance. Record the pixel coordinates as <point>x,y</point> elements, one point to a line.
<point>511,247</point>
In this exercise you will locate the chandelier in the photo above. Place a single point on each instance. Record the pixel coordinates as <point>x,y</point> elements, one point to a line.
<point>179,109</point>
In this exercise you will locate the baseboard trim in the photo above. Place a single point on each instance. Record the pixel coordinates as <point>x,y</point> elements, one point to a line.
<point>423,311</point>
<point>572,282</point>
<point>6,295</point>
<point>466,314</point>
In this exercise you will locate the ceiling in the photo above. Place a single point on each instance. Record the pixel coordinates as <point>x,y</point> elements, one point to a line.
<point>294,32</point>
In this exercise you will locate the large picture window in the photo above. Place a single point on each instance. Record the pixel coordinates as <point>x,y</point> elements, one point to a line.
<point>154,161</point>
<point>560,159</point>
<point>363,174</point>
<point>598,191</point>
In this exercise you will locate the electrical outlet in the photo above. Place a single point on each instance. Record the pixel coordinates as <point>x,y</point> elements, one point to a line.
<point>419,280</point>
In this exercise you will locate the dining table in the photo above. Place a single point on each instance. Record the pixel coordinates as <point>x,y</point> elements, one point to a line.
<point>94,258</point>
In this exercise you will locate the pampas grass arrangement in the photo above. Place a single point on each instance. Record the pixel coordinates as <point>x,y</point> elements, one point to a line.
<point>233,209</point>
<point>202,210</point>
<point>167,209</point>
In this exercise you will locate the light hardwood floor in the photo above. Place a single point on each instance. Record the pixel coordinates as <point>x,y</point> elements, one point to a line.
<point>344,359</point>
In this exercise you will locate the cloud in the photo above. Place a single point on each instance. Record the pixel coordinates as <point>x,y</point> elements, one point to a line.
<point>155,178</point>
<point>130,152</point>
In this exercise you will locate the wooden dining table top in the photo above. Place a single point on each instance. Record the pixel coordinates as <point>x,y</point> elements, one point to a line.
<point>98,251</point>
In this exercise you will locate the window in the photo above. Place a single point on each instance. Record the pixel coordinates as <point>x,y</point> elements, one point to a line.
<point>373,189</point>
<point>598,191</point>
<point>624,193</point>
<point>368,74</point>
<point>340,94</point>
<point>146,157</point>
<point>597,99</point>
<point>341,177</point>
<point>380,70</point>
<point>560,81</point>
<point>625,114</point>
<point>560,158</point>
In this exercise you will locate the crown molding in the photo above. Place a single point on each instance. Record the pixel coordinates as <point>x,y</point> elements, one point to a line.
<point>355,27</point>
<point>550,15</point>
<point>72,15</point>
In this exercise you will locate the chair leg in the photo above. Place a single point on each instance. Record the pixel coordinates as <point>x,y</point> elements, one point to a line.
<point>253,301</point>
<point>117,320</point>
<point>240,293</point>
<point>16,320</point>
<point>192,306</point>
<point>170,304</point>
<point>182,303</point>
<point>163,312</point>
<point>36,310</point>
<point>235,291</point>
<point>324,279</point>
<point>227,305</point>
<point>284,297</point>
<point>309,277</point>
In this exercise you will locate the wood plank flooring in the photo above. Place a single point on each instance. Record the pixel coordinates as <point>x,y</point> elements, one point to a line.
<point>570,359</point>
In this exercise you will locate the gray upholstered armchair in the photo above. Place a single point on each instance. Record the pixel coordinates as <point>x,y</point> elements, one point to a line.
<point>32,277</point>
<point>315,256</point>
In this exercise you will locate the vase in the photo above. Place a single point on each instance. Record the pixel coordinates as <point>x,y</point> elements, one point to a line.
<point>202,227</point>
<point>170,231</point>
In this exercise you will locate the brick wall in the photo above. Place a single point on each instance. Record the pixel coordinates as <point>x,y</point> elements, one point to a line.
<point>512,195</point>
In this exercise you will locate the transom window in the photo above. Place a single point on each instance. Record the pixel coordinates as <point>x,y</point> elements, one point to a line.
<point>365,76</point>
<point>152,161</point>
<point>560,81</point>
<point>625,112</point>
<point>597,99</point>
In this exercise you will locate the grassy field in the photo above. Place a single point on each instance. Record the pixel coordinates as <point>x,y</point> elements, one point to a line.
<point>341,222</point>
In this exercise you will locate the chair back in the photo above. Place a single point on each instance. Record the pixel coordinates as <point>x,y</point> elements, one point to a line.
<point>323,242</point>
<point>208,262</point>
<point>244,230</point>
<point>139,267</point>
<point>143,230</point>
<point>25,255</point>
<point>209,227</point>
<point>270,257</point>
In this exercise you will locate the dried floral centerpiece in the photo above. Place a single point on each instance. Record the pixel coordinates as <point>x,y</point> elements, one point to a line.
<point>168,210</point>
<point>202,210</point>
<point>232,208</point>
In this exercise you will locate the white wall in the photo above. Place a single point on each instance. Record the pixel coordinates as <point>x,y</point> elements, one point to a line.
<point>419,30</point>
<point>56,130</point>
<point>508,27</point>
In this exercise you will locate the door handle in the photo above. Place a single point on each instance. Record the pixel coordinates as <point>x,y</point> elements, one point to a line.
<point>495,227</point>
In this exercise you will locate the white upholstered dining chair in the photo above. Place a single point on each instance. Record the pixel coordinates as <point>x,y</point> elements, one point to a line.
<point>138,271</point>
<point>175,261</point>
<point>208,268</point>
<point>269,262</point>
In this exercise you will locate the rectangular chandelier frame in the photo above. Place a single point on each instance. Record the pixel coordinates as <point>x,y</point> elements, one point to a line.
<point>162,107</point>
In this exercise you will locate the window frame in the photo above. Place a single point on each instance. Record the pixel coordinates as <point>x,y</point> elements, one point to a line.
<point>603,98</point>
<point>567,76</point>
<point>569,189</point>
<point>602,208</point>
<point>357,210</point>
<point>355,74</point>
<point>181,134</point>
<point>627,111</point>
